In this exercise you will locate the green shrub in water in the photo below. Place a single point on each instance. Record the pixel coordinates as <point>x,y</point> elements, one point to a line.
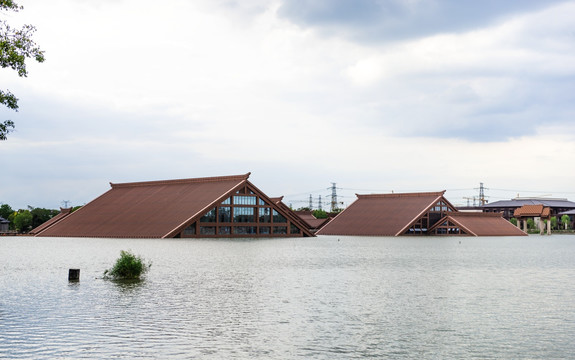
<point>128,266</point>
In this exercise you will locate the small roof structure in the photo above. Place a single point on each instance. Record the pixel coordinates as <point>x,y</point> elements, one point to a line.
<point>311,221</point>
<point>427,213</point>
<point>476,224</point>
<point>537,210</point>
<point>224,206</point>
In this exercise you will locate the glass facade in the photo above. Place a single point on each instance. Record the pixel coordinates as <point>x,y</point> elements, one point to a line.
<point>243,214</point>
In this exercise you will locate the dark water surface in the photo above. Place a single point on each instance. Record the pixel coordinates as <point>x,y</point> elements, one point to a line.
<point>321,298</point>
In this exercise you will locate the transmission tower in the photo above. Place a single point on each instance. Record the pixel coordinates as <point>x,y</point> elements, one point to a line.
<point>333,198</point>
<point>310,203</point>
<point>482,189</point>
<point>319,204</point>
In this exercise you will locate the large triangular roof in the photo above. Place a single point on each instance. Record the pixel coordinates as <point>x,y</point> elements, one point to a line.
<point>381,214</point>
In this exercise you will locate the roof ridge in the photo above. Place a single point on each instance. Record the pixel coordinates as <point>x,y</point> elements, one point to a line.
<point>181,181</point>
<point>395,195</point>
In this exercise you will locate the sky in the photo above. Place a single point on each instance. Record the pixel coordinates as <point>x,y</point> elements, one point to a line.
<point>372,95</point>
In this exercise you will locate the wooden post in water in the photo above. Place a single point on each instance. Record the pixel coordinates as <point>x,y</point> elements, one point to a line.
<point>74,275</point>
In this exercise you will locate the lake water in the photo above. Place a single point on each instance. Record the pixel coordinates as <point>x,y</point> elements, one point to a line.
<point>319,298</point>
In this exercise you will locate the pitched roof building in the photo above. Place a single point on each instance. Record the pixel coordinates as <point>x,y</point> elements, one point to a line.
<point>226,206</point>
<point>508,207</point>
<point>414,214</point>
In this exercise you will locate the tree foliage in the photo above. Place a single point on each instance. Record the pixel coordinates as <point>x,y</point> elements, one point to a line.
<point>5,211</point>
<point>16,46</point>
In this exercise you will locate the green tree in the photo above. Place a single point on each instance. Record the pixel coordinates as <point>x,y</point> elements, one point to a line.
<point>565,220</point>
<point>23,221</point>
<point>41,215</point>
<point>554,223</point>
<point>513,221</point>
<point>16,45</point>
<point>5,211</point>
<point>320,214</point>
<point>530,224</point>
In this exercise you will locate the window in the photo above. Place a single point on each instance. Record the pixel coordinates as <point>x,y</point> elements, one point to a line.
<point>225,230</point>
<point>225,214</point>
<point>279,218</point>
<point>245,230</point>
<point>227,201</point>
<point>265,230</point>
<point>207,230</point>
<point>280,229</point>
<point>190,230</point>
<point>265,215</point>
<point>244,214</point>
<point>261,202</point>
<point>294,229</point>
<point>245,200</point>
<point>210,216</point>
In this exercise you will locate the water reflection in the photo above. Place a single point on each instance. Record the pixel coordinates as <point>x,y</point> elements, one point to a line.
<point>291,298</point>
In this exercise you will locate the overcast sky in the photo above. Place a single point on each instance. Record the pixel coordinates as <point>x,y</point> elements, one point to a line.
<point>374,95</point>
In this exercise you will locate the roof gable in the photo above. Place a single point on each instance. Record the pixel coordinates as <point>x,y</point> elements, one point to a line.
<point>381,214</point>
<point>483,224</point>
<point>152,209</point>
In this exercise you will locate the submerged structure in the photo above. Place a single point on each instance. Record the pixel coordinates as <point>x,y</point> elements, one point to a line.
<point>414,214</point>
<point>225,206</point>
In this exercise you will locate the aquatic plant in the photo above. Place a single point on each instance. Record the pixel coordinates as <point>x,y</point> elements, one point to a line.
<point>128,266</point>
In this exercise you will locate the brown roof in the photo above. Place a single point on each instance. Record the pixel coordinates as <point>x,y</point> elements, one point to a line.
<point>61,215</point>
<point>482,224</point>
<point>152,209</point>
<point>532,210</point>
<point>381,214</point>
<point>311,221</point>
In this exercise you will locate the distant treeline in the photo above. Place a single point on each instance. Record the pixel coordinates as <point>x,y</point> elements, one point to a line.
<point>24,220</point>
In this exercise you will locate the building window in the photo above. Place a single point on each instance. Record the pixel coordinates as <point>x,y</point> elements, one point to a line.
<point>294,229</point>
<point>210,216</point>
<point>225,230</point>
<point>227,201</point>
<point>245,200</point>
<point>264,230</point>
<point>244,214</point>
<point>261,202</point>
<point>190,230</point>
<point>225,214</point>
<point>265,215</point>
<point>207,230</point>
<point>279,218</point>
<point>280,230</point>
<point>245,230</point>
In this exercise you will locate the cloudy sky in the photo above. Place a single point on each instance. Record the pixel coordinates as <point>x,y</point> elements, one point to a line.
<point>373,95</point>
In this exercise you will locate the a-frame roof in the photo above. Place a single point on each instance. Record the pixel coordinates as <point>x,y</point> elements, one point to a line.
<point>481,224</point>
<point>152,209</point>
<point>61,215</point>
<point>381,214</point>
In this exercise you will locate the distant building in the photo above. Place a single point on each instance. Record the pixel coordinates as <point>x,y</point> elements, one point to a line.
<point>508,207</point>
<point>414,214</point>
<point>4,225</point>
<point>226,206</point>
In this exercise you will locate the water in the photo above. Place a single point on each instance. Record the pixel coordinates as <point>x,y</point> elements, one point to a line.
<point>320,298</point>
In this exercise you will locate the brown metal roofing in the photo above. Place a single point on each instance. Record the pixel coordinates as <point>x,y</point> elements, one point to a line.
<point>151,209</point>
<point>532,210</point>
<point>381,214</point>
<point>483,224</point>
